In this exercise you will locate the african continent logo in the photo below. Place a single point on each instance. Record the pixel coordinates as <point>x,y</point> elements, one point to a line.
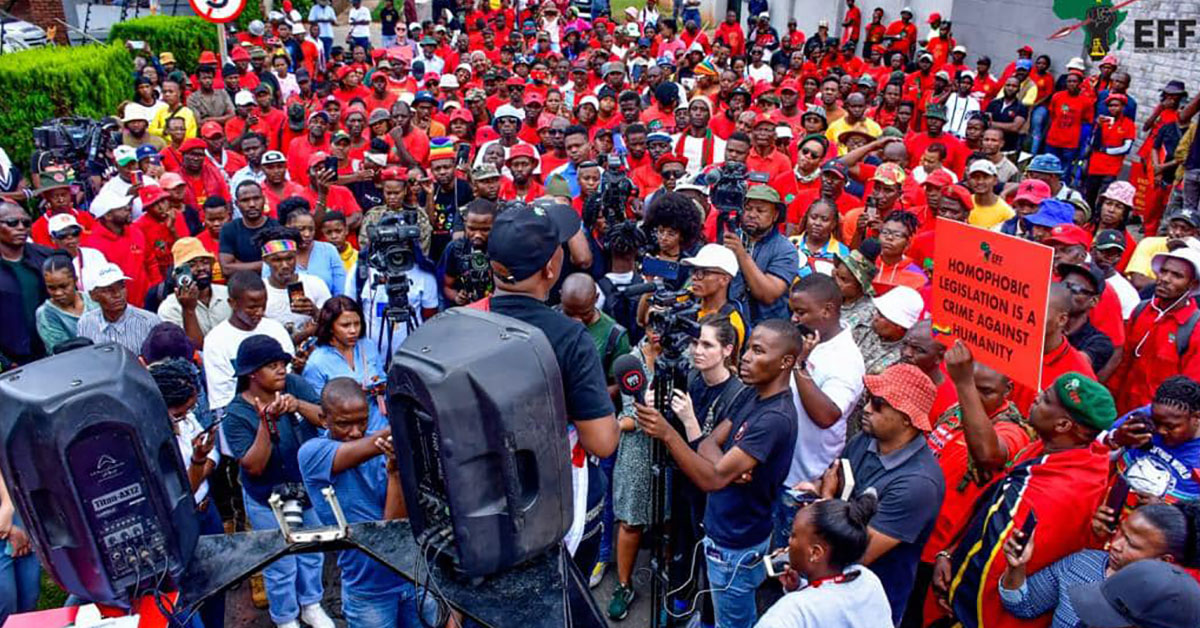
<point>1100,21</point>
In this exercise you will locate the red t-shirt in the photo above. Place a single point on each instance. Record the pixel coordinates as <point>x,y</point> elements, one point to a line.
<point>1112,135</point>
<point>1068,114</point>
<point>159,239</point>
<point>298,153</point>
<point>508,191</point>
<point>129,252</point>
<point>1061,360</point>
<point>290,189</point>
<point>854,20</point>
<point>1152,356</point>
<point>956,151</point>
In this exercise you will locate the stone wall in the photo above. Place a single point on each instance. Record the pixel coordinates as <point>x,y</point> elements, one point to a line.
<point>1152,70</point>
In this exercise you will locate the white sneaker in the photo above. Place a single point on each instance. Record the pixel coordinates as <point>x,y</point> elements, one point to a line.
<point>597,575</point>
<point>288,624</point>
<point>315,616</point>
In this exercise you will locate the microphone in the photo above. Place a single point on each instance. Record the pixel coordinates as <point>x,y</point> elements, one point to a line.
<point>631,377</point>
<point>636,290</point>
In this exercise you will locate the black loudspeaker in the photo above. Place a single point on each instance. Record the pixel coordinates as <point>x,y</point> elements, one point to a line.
<point>476,405</point>
<point>91,462</point>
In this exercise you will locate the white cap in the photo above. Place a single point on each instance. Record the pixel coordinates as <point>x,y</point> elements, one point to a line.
<point>273,157</point>
<point>134,111</point>
<point>783,130</point>
<point>631,29</point>
<point>960,48</point>
<point>256,28</point>
<point>901,305</point>
<point>108,200</point>
<point>243,98</point>
<point>586,100</point>
<point>509,111</point>
<point>925,55</point>
<point>465,66</point>
<point>717,257</point>
<point>907,10</point>
<point>942,74</point>
<point>414,26</point>
<point>124,153</point>
<point>1076,63</point>
<point>295,17</point>
<point>448,81</point>
<point>61,222</point>
<point>983,165</point>
<point>823,24</point>
<point>103,276</point>
<point>1187,253</point>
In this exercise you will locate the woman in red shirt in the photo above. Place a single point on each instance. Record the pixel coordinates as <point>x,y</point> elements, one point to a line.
<point>1114,136</point>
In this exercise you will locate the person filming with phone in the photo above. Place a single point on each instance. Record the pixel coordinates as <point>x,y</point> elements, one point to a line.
<point>827,586</point>
<point>293,299</point>
<point>1158,445</point>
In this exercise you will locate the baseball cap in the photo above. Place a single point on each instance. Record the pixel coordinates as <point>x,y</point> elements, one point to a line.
<point>1032,191</point>
<point>522,150</point>
<point>763,192</point>
<point>982,165</point>
<point>525,237</point>
<point>124,155</point>
<point>837,167</point>
<point>1187,215</point>
<point>1086,400</point>
<point>187,249</point>
<point>889,174</point>
<point>1090,271</point>
<point>1109,239</point>
<point>484,171</point>
<point>211,129</point>
<point>508,111</point>
<point>907,389</point>
<point>273,157</point>
<point>171,180</point>
<point>103,276</point>
<point>936,111</point>
<point>1051,213</point>
<point>108,200</point>
<point>1148,593</point>
<point>243,98</point>
<point>256,352</point>
<point>714,256</point>
<point>901,305</point>
<point>960,194</point>
<point>59,223</point>
<point>1069,234</point>
<point>939,178</point>
<point>448,81</point>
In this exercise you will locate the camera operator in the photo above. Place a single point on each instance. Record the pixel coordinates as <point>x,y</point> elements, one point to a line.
<point>271,416</point>
<point>828,586</point>
<point>741,465</point>
<point>424,298</point>
<point>768,262</point>
<point>197,304</point>
<point>526,252</point>
<point>464,268</point>
<point>713,268</point>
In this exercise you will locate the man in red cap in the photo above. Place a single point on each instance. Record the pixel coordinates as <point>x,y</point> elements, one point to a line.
<point>887,195</point>
<point>227,161</point>
<point>203,177</point>
<point>523,186</point>
<point>161,226</point>
<point>302,148</point>
<point>1116,136</point>
<point>766,158</point>
<point>790,112</point>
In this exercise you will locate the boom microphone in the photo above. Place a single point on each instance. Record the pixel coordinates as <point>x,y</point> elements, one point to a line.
<point>638,289</point>
<point>631,377</point>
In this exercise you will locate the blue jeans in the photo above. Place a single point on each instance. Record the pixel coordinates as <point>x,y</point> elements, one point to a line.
<point>734,575</point>
<point>1037,129</point>
<point>398,609</point>
<point>292,581</point>
<point>365,42</point>
<point>212,613</point>
<point>608,520</point>
<point>20,582</point>
<point>782,516</point>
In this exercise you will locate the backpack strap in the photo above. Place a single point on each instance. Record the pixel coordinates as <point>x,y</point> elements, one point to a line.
<point>1138,309</point>
<point>1183,337</point>
<point>610,345</point>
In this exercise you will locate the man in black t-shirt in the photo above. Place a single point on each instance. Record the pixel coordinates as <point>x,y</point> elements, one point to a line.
<point>526,253</point>
<point>741,466</point>
<point>237,249</point>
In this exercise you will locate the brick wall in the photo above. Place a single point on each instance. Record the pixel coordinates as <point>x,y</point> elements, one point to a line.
<point>45,13</point>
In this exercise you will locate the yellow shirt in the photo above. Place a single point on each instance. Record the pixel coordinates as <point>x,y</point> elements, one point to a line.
<point>349,258</point>
<point>837,127</point>
<point>988,216</point>
<point>1139,262</point>
<point>158,126</point>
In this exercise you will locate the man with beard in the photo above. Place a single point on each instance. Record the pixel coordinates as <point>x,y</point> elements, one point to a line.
<point>992,145</point>
<point>411,143</point>
<point>122,243</point>
<point>522,186</point>
<point>444,196</point>
<point>237,248</point>
<point>136,132</point>
<point>203,177</point>
<point>697,142</point>
<point>767,261</point>
<point>208,103</point>
<point>200,305</point>
<point>227,161</point>
<point>646,177</point>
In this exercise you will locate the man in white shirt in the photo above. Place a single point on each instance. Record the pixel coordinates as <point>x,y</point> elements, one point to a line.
<point>360,25</point>
<point>323,15</point>
<point>961,104</point>
<point>825,386</point>
<point>247,300</point>
<point>697,142</point>
<point>293,298</point>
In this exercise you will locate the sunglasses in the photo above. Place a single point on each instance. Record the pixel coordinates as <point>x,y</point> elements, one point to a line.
<point>672,174</point>
<point>808,152</point>
<point>12,223</point>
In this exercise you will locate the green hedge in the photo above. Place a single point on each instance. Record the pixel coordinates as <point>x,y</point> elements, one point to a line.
<point>186,37</point>
<point>58,81</point>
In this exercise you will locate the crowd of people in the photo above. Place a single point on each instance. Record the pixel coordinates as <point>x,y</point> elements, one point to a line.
<point>553,161</point>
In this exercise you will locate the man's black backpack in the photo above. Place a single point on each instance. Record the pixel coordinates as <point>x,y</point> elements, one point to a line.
<point>621,307</point>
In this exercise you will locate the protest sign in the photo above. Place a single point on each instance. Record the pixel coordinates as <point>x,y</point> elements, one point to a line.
<point>990,291</point>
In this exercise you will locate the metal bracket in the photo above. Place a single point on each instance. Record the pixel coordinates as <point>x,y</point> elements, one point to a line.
<point>316,535</point>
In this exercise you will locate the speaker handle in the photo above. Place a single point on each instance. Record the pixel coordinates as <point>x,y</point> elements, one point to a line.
<point>512,480</point>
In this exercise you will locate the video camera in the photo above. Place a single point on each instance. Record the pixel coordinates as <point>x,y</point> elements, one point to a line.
<point>674,319</point>
<point>728,185</point>
<point>78,142</point>
<point>476,272</point>
<point>392,252</point>
<point>613,197</point>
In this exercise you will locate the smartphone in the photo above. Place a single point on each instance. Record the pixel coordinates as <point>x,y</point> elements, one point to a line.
<point>655,267</point>
<point>777,563</point>
<point>137,45</point>
<point>1027,528</point>
<point>136,178</point>
<point>295,290</point>
<point>183,276</point>
<point>797,498</point>
<point>331,164</point>
<point>462,154</point>
<point>1117,496</point>
<point>308,344</point>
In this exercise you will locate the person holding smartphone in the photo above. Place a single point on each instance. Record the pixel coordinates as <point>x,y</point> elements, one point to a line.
<point>1158,444</point>
<point>292,298</point>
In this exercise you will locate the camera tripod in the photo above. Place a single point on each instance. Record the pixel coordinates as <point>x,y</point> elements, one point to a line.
<point>670,373</point>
